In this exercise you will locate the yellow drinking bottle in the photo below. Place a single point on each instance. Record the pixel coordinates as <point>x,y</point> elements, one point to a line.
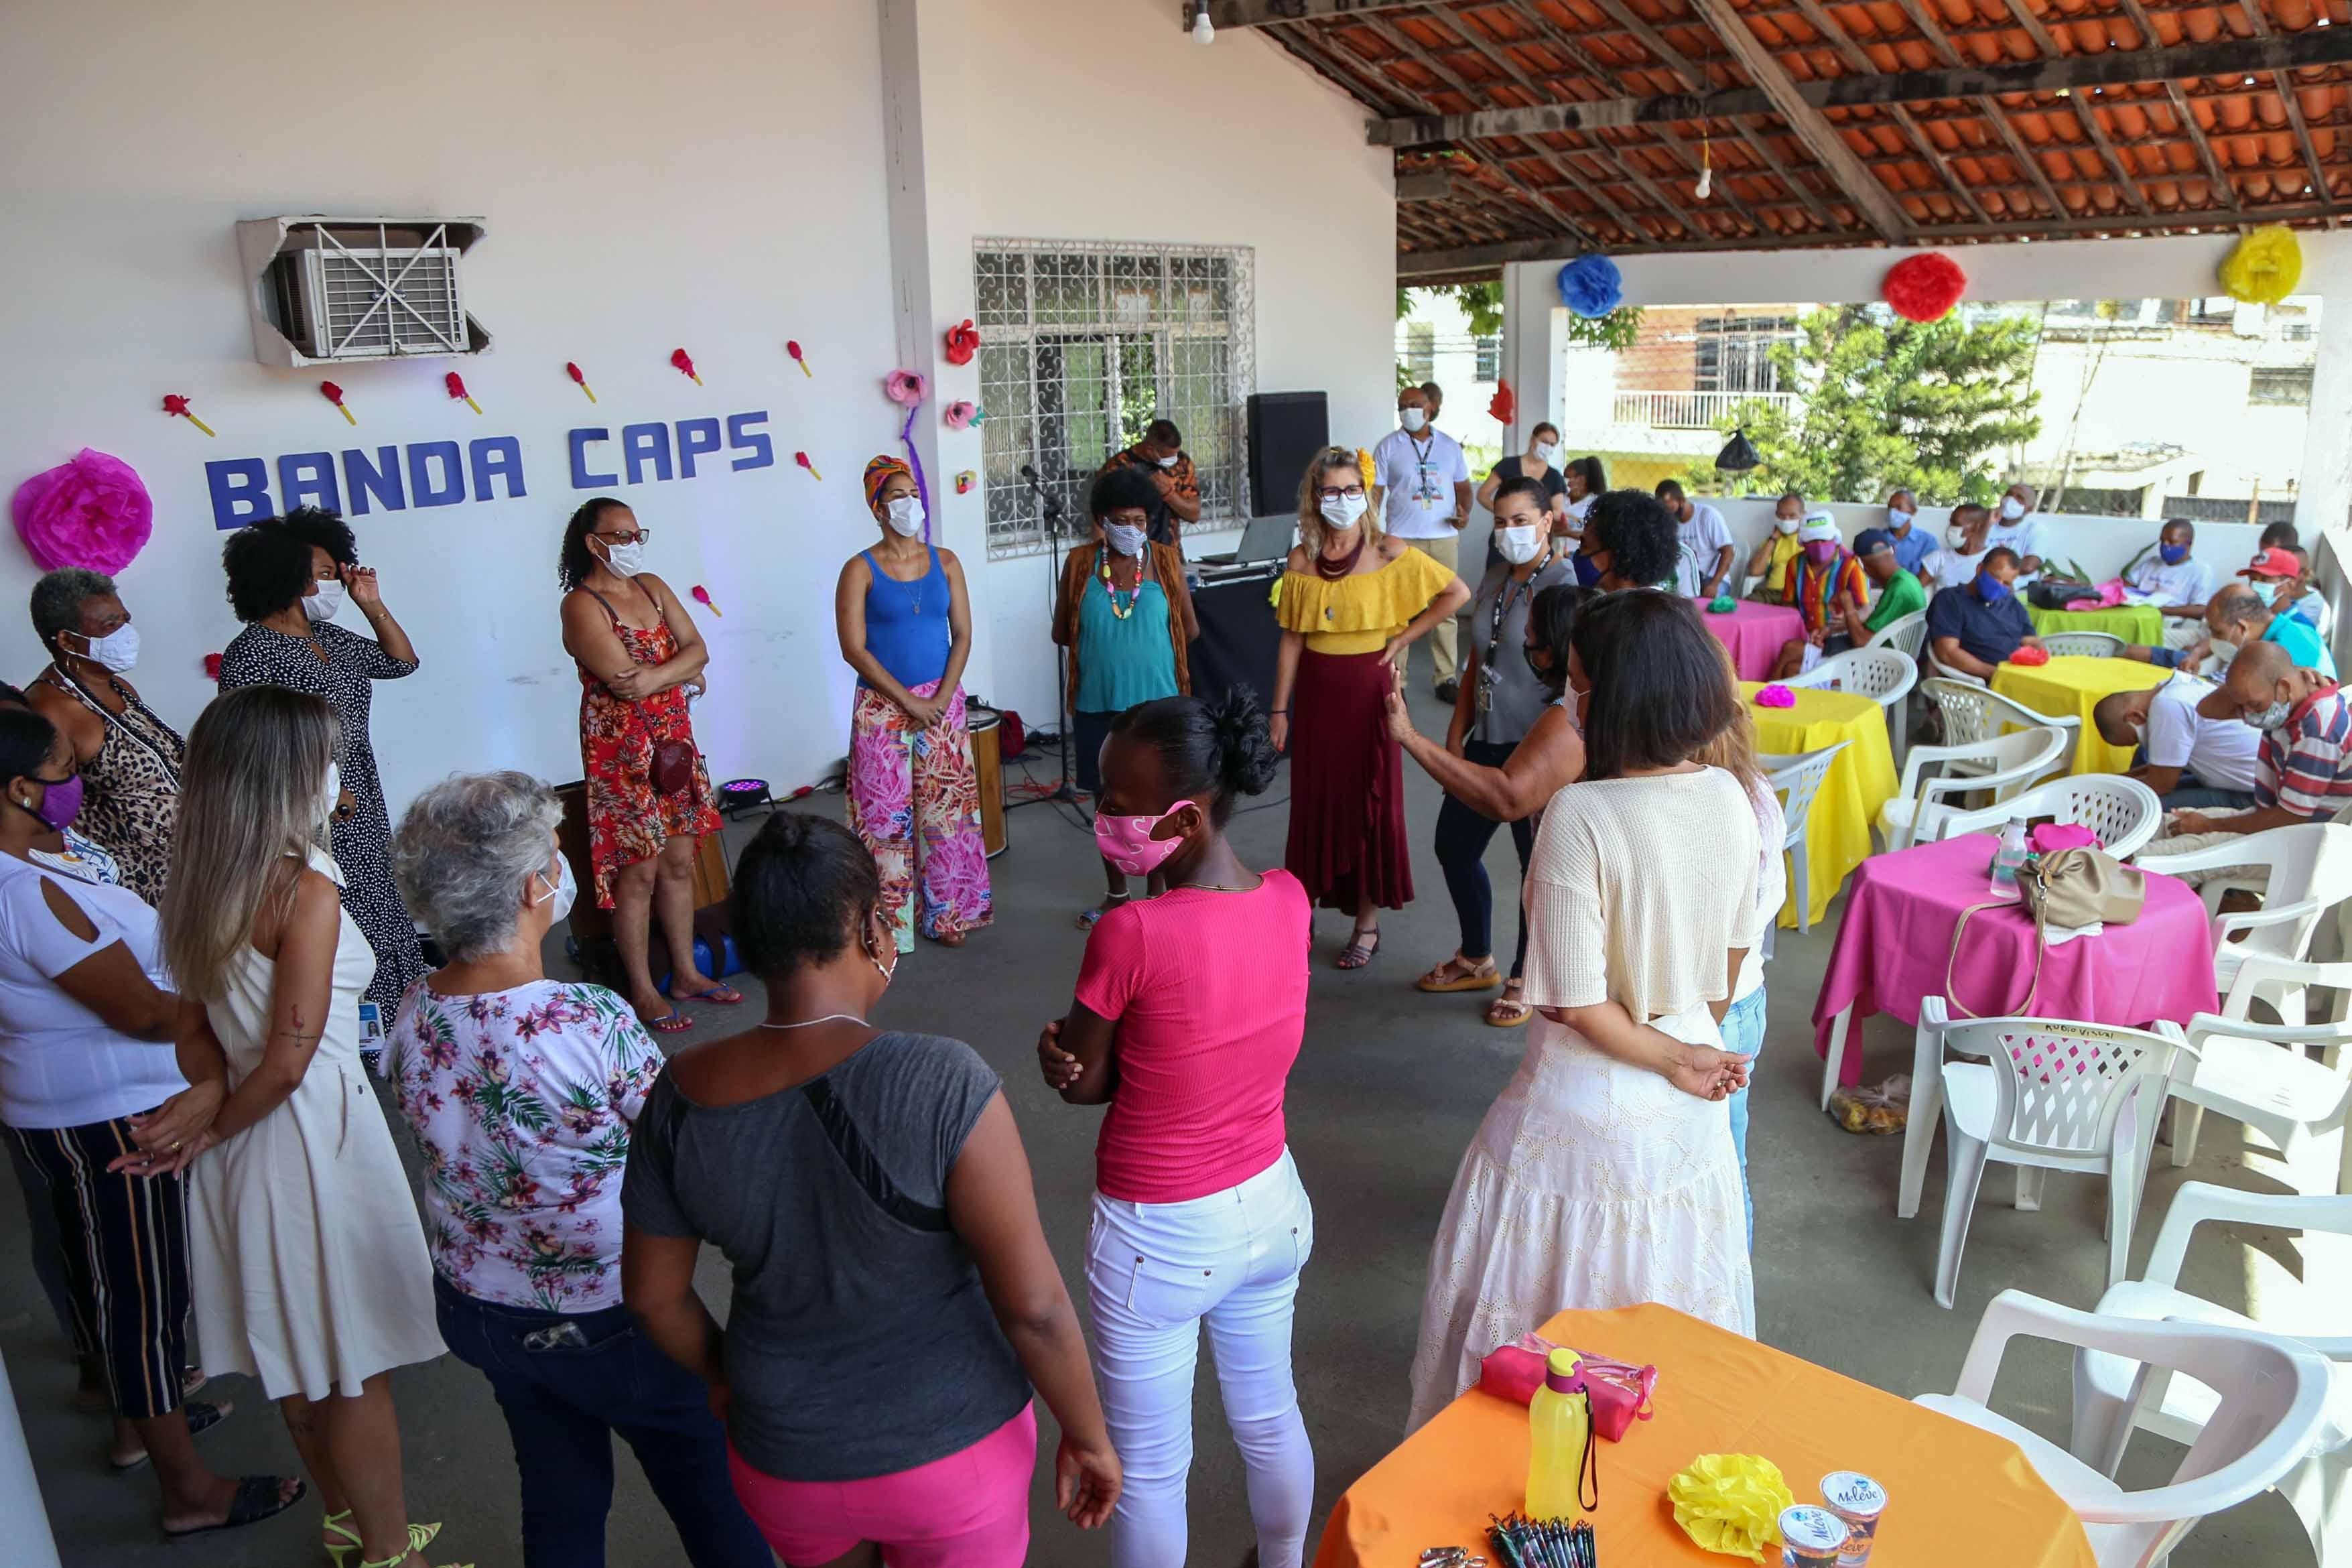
<point>1559,1422</point>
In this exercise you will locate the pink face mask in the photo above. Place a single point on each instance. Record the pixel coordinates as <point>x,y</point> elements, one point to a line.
<point>1127,842</point>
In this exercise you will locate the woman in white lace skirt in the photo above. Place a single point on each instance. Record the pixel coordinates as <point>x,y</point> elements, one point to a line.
<point>1604,1175</point>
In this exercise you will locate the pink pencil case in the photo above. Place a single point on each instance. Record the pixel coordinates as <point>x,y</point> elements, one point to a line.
<point>1620,1391</point>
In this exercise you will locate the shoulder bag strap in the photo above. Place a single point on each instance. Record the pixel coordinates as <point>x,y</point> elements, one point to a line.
<point>1951,991</point>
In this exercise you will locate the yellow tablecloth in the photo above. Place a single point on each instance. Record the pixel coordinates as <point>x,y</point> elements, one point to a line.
<point>1956,1497</point>
<point>2139,625</point>
<point>1860,779</point>
<point>2072,686</point>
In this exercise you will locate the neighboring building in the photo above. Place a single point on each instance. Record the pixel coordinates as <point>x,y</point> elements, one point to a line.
<point>1434,342</point>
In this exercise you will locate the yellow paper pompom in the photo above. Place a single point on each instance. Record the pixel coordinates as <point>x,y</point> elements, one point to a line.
<point>2265,268</point>
<point>1731,1503</point>
<point>1371,471</point>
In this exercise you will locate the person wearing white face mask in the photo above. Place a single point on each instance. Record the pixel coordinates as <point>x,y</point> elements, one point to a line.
<point>905,624</point>
<point>1421,494</point>
<point>287,580</point>
<point>2017,527</point>
<point>525,1231</point>
<point>1966,540</point>
<point>1126,617</point>
<point>649,801</point>
<point>1915,547</point>
<point>1352,601</point>
<point>1160,457</point>
<point>1775,559</point>
<point>128,758</point>
<point>1541,463</point>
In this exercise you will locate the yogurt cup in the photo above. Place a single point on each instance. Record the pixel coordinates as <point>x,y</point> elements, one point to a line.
<point>1810,1537</point>
<point>1860,1503</point>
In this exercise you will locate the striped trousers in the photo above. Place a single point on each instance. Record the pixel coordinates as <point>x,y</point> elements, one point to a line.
<point>124,1241</point>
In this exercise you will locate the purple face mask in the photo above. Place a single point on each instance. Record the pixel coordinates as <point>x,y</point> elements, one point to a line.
<point>60,803</point>
<point>1821,552</point>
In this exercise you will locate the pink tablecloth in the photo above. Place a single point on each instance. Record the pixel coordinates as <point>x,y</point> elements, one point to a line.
<point>1897,933</point>
<point>1755,634</point>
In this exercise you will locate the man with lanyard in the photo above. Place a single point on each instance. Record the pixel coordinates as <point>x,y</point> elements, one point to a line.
<point>1421,489</point>
<point>1161,454</point>
<point>1914,548</point>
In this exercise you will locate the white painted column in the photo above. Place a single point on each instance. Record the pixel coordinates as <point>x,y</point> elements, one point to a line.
<point>30,1544</point>
<point>1535,347</point>
<point>2324,502</point>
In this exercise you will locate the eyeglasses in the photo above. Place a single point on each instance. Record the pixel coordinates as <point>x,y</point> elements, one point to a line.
<point>1334,493</point>
<point>636,536</point>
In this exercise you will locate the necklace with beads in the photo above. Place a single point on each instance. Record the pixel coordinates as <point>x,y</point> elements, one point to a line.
<point>1120,607</point>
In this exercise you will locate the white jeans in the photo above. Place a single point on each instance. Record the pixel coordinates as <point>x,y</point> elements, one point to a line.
<point>1154,1273</point>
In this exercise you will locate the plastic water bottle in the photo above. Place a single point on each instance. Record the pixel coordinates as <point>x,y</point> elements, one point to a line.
<point>2008,857</point>
<point>1559,1421</point>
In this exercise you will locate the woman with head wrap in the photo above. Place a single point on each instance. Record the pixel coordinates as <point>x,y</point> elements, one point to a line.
<point>905,623</point>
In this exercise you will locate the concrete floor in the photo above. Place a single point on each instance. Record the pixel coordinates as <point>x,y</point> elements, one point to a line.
<point>1384,1097</point>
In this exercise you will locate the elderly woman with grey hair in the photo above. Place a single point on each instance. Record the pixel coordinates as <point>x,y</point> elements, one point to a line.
<point>128,758</point>
<point>523,1092</point>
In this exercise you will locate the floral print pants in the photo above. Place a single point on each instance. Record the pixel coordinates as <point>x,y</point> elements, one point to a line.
<point>906,784</point>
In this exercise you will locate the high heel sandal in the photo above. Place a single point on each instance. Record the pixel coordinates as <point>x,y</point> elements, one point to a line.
<point>420,1536</point>
<point>339,1525</point>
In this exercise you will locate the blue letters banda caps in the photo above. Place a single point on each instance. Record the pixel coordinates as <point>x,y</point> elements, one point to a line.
<point>440,473</point>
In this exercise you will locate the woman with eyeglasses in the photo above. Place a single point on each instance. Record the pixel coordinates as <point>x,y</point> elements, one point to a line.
<point>1353,600</point>
<point>288,580</point>
<point>649,797</point>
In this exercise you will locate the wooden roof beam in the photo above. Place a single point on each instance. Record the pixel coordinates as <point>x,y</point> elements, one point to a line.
<point>1859,63</point>
<point>1873,199</point>
<point>1224,14</point>
<point>2115,67</point>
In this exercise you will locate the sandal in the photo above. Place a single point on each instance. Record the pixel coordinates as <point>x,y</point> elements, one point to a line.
<point>257,1498</point>
<point>670,1023</point>
<point>1088,920</point>
<point>1355,956</point>
<point>718,997</point>
<point>1507,1011</point>
<point>201,1418</point>
<point>341,1524</point>
<point>950,938</point>
<point>420,1536</point>
<point>1460,973</point>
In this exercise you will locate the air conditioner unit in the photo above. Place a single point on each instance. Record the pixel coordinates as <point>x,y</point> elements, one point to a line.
<point>331,290</point>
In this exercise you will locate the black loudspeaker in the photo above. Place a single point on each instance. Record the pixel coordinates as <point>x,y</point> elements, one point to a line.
<point>1286,430</point>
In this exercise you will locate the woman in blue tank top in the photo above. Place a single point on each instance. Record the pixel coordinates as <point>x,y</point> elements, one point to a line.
<point>906,628</point>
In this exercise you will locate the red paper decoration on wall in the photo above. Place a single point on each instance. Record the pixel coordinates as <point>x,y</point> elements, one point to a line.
<point>1504,406</point>
<point>1924,288</point>
<point>962,343</point>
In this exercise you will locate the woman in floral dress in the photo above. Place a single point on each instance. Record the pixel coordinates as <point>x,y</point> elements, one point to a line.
<point>905,624</point>
<point>523,1092</point>
<point>640,659</point>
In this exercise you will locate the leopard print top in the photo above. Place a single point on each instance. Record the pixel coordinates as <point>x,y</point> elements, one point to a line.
<point>131,790</point>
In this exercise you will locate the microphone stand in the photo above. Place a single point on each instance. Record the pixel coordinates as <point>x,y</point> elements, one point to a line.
<point>1049,508</point>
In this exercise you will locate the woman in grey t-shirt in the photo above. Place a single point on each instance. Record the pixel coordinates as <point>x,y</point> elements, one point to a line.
<point>894,1296</point>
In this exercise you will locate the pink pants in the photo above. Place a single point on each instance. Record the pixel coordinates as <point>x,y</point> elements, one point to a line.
<point>970,1510</point>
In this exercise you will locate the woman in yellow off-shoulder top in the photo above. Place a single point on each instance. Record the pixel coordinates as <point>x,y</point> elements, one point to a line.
<point>1352,603</point>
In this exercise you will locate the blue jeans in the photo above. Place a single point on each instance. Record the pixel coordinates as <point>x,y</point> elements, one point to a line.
<point>1743,1032</point>
<point>563,1401</point>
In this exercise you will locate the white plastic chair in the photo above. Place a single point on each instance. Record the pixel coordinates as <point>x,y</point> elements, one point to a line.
<point>1974,711</point>
<point>2260,1074</point>
<point>2057,1096</point>
<point>2309,870</point>
<point>2272,1400</point>
<point>1873,670</point>
<point>2114,1396</point>
<point>2001,763</point>
<point>2124,812</point>
<point>1905,633</point>
<point>2082,644</point>
<point>1945,672</point>
<point>1798,779</point>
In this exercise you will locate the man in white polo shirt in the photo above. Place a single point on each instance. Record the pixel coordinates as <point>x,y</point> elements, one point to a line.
<point>2015,527</point>
<point>1421,490</point>
<point>2190,761</point>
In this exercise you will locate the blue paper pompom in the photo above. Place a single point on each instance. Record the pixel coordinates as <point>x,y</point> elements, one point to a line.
<point>1591,286</point>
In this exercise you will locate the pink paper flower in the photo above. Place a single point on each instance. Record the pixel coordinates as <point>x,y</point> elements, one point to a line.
<point>961,415</point>
<point>906,387</point>
<point>92,512</point>
<point>1776,696</point>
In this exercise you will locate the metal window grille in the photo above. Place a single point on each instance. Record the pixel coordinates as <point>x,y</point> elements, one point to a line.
<point>1489,349</point>
<point>1083,345</point>
<point>1421,351</point>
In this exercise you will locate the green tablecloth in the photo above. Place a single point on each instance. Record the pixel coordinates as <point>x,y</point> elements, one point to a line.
<point>2139,625</point>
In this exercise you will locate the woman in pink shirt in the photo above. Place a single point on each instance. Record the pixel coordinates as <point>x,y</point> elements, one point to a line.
<point>1189,1013</point>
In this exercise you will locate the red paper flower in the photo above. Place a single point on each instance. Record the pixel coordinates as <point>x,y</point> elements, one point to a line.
<point>962,343</point>
<point>685,363</point>
<point>573,372</point>
<point>212,667</point>
<point>1505,405</point>
<point>456,386</point>
<point>1924,288</point>
<point>335,394</point>
<point>792,347</point>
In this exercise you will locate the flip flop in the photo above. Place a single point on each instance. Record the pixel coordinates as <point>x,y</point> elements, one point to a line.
<point>256,1498</point>
<point>670,1023</point>
<point>1355,956</point>
<point>201,1418</point>
<point>1481,976</point>
<point>1088,920</point>
<point>718,997</point>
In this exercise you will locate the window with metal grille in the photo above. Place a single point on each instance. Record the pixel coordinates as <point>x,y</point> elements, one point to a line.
<point>1490,358</point>
<point>2284,385</point>
<point>1734,354</point>
<point>1083,345</point>
<point>1421,351</point>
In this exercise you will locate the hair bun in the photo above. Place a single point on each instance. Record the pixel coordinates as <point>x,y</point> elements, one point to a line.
<point>1248,757</point>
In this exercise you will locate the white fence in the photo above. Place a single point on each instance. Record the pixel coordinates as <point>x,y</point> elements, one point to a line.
<point>1687,410</point>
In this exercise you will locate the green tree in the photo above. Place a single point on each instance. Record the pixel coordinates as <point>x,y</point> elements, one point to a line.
<point>1884,404</point>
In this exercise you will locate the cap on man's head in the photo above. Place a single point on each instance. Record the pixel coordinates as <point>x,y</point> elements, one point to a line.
<point>1817,526</point>
<point>1871,541</point>
<point>2273,562</point>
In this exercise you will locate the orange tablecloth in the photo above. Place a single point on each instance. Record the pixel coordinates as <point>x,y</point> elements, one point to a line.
<point>1958,1498</point>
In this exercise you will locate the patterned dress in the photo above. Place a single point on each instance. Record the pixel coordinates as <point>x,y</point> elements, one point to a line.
<point>261,656</point>
<point>131,788</point>
<point>628,819</point>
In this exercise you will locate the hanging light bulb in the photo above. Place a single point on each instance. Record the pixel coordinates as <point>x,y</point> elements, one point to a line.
<point>1204,30</point>
<point>1706,187</point>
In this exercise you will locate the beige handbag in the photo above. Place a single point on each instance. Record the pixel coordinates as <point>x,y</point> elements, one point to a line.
<point>2066,887</point>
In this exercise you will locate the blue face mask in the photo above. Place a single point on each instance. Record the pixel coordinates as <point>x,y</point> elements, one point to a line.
<point>2172,554</point>
<point>1990,589</point>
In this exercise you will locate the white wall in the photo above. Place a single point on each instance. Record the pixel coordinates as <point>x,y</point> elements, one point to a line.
<point>704,175</point>
<point>1098,120</point>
